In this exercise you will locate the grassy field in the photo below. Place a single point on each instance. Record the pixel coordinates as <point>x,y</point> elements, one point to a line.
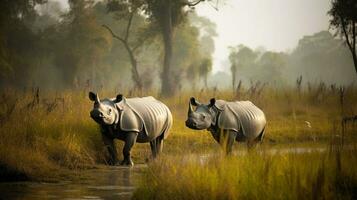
<point>254,175</point>
<point>43,135</point>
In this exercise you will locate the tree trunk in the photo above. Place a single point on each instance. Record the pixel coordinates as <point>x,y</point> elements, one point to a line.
<point>167,86</point>
<point>354,60</point>
<point>354,44</point>
<point>134,68</point>
<point>206,82</point>
<point>233,79</point>
<point>351,44</point>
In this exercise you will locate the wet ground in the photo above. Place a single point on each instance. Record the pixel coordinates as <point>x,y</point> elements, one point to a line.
<point>102,183</point>
<point>111,182</point>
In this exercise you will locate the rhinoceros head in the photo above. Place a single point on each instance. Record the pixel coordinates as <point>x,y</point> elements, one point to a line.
<point>201,117</point>
<point>104,111</point>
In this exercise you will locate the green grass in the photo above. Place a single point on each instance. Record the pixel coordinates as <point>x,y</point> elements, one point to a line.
<point>255,175</point>
<point>38,142</point>
<point>35,144</point>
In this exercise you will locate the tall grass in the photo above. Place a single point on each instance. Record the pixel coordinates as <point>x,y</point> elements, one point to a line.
<point>255,175</point>
<point>36,142</point>
<point>46,132</point>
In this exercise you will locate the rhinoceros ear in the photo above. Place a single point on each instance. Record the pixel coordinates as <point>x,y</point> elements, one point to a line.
<point>93,96</point>
<point>118,98</point>
<point>212,102</point>
<point>194,102</point>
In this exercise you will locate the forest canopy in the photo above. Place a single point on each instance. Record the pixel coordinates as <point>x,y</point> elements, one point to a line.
<point>52,48</point>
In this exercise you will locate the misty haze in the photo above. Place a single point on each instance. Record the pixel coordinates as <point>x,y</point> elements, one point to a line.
<point>178,99</point>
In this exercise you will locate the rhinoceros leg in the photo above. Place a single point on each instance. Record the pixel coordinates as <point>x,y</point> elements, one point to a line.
<point>259,139</point>
<point>261,136</point>
<point>109,143</point>
<point>156,146</point>
<point>159,145</point>
<point>226,139</point>
<point>230,138</point>
<point>130,140</point>
<point>153,147</point>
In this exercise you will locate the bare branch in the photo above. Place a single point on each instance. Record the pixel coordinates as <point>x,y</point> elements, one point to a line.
<point>113,34</point>
<point>191,3</point>
<point>353,35</point>
<point>128,26</point>
<point>346,34</point>
<point>135,73</point>
<point>214,6</point>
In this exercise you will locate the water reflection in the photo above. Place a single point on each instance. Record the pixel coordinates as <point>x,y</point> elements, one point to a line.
<point>105,183</point>
<point>113,182</point>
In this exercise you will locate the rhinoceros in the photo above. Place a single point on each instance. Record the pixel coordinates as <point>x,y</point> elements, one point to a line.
<point>131,120</point>
<point>239,121</point>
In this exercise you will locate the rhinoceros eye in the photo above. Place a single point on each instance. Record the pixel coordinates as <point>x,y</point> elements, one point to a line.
<point>109,111</point>
<point>203,116</point>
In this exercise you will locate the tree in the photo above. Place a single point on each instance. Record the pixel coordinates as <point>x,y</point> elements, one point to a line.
<point>167,14</point>
<point>233,60</point>
<point>207,31</point>
<point>344,20</point>
<point>205,68</point>
<point>186,54</point>
<point>15,58</point>
<point>270,66</point>
<point>242,59</point>
<point>127,11</point>
<point>317,52</point>
<point>192,75</point>
<point>82,43</point>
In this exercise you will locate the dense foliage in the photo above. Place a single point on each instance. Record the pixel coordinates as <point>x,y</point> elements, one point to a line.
<point>44,45</point>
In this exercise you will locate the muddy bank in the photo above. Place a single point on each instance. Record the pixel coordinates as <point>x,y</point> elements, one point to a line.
<point>118,182</point>
<point>101,183</point>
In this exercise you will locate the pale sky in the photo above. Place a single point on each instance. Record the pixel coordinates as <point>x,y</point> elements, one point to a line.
<point>274,24</point>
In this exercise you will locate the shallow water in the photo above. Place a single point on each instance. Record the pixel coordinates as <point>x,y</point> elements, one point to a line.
<point>203,158</point>
<point>112,182</point>
<point>104,183</point>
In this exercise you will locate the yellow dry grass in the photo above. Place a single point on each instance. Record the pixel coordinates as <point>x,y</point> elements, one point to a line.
<point>39,139</point>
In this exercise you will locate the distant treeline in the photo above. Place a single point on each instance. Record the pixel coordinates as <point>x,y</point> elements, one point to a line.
<point>317,58</point>
<point>115,45</point>
<point>45,45</point>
